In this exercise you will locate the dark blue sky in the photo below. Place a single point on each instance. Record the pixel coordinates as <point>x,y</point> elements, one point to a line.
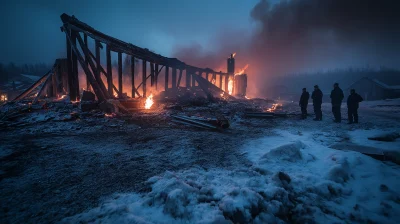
<point>31,34</point>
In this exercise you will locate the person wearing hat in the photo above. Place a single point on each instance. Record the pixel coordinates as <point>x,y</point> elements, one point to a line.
<point>352,106</point>
<point>317,102</point>
<point>303,103</point>
<point>336,100</point>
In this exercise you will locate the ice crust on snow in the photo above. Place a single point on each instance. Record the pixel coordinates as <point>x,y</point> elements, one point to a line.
<point>292,179</point>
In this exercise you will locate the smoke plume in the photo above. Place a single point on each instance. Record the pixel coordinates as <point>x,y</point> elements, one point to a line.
<point>298,36</point>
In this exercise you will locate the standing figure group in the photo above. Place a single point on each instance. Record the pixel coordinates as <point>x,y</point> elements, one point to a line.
<point>337,97</point>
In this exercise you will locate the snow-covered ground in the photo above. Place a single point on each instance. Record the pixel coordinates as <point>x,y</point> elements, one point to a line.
<point>261,171</point>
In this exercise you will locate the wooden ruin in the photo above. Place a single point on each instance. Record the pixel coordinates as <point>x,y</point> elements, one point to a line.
<point>78,53</point>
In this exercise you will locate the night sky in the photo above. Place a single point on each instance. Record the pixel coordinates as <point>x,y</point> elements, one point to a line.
<point>31,34</point>
<point>274,37</point>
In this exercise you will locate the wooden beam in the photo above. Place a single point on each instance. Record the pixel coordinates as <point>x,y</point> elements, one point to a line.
<point>220,81</point>
<point>96,88</point>
<point>166,78</point>
<point>75,74</point>
<point>32,87</point>
<point>144,79</point>
<point>85,40</point>
<point>188,78</point>
<point>94,68</point>
<point>173,81</point>
<point>69,64</point>
<point>156,75</point>
<point>133,76</point>
<point>49,77</point>
<point>97,72</point>
<point>120,74</point>
<point>152,74</point>
<point>180,77</point>
<point>226,83</point>
<point>109,72</point>
<point>193,79</point>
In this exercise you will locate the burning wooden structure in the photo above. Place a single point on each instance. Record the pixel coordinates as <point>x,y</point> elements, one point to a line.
<point>174,71</point>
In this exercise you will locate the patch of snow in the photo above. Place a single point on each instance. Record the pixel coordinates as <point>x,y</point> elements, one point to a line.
<point>360,137</point>
<point>293,179</point>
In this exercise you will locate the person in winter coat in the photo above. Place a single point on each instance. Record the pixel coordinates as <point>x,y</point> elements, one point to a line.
<point>303,103</point>
<point>336,100</point>
<point>352,106</point>
<point>317,102</point>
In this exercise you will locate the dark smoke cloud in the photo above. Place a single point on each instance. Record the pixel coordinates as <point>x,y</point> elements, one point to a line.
<point>311,35</point>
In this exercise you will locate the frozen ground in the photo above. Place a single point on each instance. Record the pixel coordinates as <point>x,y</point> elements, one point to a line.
<point>262,171</point>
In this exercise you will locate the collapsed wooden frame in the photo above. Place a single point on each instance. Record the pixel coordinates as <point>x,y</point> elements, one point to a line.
<point>205,78</point>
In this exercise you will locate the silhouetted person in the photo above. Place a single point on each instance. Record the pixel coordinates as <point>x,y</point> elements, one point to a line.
<point>352,106</point>
<point>336,100</point>
<point>317,102</point>
<point>304,103</point>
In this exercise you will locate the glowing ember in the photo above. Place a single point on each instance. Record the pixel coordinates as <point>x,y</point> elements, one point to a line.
<point>62,97</point>
<point>243,69</point>
<point>213,81</point>
<point>234,54</point>
<point>274,107</point>
<point>149,102</point>
<point>115,94</point>
<point>247,97</point>
<point>110,115</point>
<point>230,86</point>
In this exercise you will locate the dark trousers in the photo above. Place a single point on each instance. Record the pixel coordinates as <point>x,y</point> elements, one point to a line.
<point>336,112</point>
<point>318,111</point>
<point>353,114</point>
<point>303,111</point>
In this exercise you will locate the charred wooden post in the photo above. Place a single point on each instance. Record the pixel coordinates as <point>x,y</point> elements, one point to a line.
<point>173,78</point>
<point>180,77</point>
<point>214,78</point>
<point>220,81</point>
<point>193,79</point>
<point>188,78</point>
<point>152,74</point>
<point>99,93</point>
<point>75,79</point>
<point>120,74</point>
<point>226,82</point>
<point>109,72</point>
<point>166,77</point>
<point>99,81</point>
<point>133,76</point>
<point>54,84</point>
<point>144,77</point>
<point>85,40</point>
<point>156,75</point>
<point>97,72</point>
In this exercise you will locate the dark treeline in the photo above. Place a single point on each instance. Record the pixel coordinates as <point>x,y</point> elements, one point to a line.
<point>11,71</point>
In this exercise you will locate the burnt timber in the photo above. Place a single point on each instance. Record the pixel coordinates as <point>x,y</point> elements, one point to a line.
<point>78,52</point>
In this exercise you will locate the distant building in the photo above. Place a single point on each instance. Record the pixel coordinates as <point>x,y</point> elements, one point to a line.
<point>373,89</point>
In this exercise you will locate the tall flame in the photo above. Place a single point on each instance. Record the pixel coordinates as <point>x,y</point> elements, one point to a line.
<point>149,102</point>
<point>242,70</point>
<point>230,86</point>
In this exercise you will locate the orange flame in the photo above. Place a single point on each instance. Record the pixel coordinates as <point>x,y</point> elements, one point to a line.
<point>274,107</point>
<point>230,86</point>
<point>149,102</point>
<point>233,55</point>
<point>242,70</point>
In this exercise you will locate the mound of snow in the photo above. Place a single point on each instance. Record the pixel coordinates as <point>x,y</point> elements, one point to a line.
<point>289,152</point>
